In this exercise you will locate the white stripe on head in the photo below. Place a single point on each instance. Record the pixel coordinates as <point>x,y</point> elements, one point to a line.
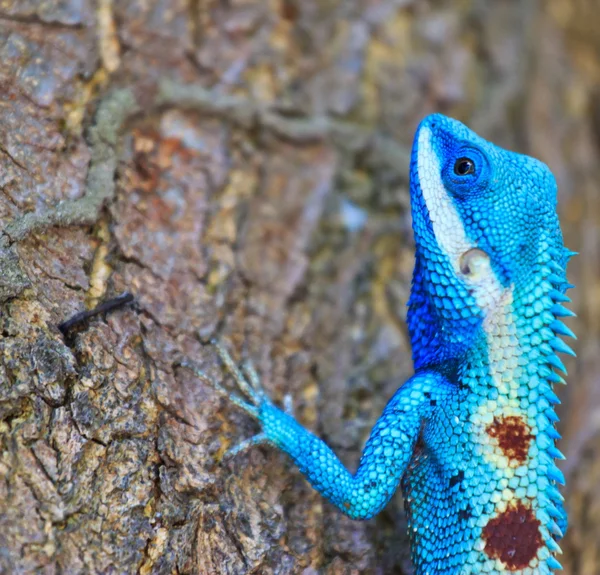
<point>447,226</point>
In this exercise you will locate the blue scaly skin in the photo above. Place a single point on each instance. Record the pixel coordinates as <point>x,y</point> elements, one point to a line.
<point>470,437</point>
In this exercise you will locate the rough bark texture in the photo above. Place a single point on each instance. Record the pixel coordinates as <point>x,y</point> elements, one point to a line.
<point>266,205</point>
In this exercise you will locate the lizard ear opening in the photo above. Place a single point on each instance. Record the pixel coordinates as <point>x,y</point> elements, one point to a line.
<point>474,263</point>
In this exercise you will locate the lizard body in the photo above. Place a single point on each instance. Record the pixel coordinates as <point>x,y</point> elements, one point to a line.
<point>471,436</point>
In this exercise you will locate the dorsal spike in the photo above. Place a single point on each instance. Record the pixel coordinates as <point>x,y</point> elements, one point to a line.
<point>555,267</point>
<point>554,452</point>
<point>554,494</point>
<point>553,545</point>
<point>554,252</point>
<point>555,362</point>
<point>560,328</point>
<point>548,504</point>
<point>561,311</point>
<point>558,296</point>
<point>556,378</point>
<point>553,398</point>
<point>553,563</point>
<point>560,346</point>
<point>555,279</point>
<point>552,432</point>
<point>555,529</point>
<point>555,474</point>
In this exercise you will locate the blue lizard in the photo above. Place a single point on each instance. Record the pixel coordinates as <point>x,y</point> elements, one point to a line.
<point>471,436</point>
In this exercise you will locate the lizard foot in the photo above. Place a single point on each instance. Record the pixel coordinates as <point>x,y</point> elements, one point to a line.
<point>250,399</point>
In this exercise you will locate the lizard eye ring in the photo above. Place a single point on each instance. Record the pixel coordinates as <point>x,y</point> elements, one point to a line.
<point>464,167</point>
<point>466,171</point>
<point>473,262</point>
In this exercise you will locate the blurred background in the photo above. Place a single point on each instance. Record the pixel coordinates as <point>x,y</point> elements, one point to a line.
<point>269,208</point>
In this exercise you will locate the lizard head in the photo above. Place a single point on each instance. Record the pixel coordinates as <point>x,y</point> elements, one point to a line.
<point>485,228</point>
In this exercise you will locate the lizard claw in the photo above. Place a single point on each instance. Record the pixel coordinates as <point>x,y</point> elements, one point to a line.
<point>288,404</point>
<point>251,394</point>
<point>250,373</point>
<point>242,403</point>
<point>246,444</point>
<point>251,386</point>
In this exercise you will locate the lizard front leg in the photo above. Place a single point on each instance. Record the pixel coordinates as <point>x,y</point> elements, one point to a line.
<point>386,455</point>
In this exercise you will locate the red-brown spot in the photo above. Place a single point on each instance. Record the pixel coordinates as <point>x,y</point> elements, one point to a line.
<point>513,435</point>
<point>347,504</point>
<point>513,536</point>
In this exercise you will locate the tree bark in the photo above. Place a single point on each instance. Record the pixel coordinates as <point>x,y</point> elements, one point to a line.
<point>241,167</point>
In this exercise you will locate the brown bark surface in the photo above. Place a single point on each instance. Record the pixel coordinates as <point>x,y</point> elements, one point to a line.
<point>241,167</point>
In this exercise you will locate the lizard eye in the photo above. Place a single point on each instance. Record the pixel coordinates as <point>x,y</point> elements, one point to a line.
<point>464,166</point>
<point>473,263</point>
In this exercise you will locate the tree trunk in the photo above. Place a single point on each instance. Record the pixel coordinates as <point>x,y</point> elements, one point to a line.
<point>241,167</point>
